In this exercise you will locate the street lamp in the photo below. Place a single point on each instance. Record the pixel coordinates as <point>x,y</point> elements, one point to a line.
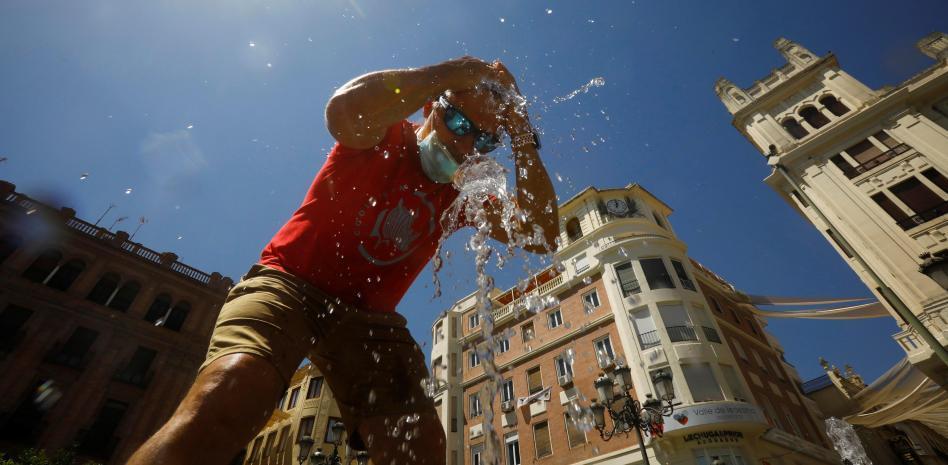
<point>319,458</point>
<point>627,412</point>
<point>717,460</point>
<point>306,444</point>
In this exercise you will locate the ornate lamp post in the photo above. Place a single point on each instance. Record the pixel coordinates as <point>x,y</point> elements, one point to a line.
<point>306,445</point>
<point>319,458</point>
<point>626,412</point>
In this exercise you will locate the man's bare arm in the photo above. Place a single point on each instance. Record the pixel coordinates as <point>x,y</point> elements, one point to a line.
<point>359,112</point>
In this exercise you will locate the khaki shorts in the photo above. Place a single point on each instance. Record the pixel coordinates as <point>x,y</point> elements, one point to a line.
<point>369,360</point>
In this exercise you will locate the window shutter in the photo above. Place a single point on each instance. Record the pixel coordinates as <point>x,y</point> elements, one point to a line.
<point>541,436</point>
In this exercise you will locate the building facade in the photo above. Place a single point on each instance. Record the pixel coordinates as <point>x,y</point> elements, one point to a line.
<point>307,408</point>
<point>626,294</point>
<point>100,337</point>
<point>869,169</point>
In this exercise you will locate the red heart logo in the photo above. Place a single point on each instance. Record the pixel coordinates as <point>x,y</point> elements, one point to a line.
<point>681,418</point>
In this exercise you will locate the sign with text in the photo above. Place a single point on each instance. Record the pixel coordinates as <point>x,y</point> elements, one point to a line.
<point>705,437</point>
<point>714,413</point>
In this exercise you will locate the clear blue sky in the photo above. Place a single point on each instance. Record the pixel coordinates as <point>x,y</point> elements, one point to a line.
<point>110,88</point>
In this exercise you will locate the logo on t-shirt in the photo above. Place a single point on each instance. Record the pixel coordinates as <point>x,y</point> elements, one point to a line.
<point>395,232</point>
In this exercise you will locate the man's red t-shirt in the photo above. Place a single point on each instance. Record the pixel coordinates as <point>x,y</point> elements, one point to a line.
<point>368,225</point>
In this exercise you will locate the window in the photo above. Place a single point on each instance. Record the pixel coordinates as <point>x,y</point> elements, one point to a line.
<point>66,274</point>
<point>759,360</point>
<point>926,204</point>
<point>282,401</point>
<point>11,321</point>
<point>439,332</point>
<point>794,128</point>
<point>656,274</point>
<point>330,435</point>
<point>103,290</point>
<point>573,229</point>
<point>526,332</point>
<point>890,207</point>
<point>701,382</point>
<point>645,327</point>
<point>473,320</point>
<point>136,372</point>
<point>268,446</point>
<point>733,382</point>
<point>776,367</point>
<point>936,178</point>
<point>541,437</point>
<point>43,266</point>
<point>437,369</point>
<point>682,275</point>
<point>658,220</point>
<point>8,244</point>
<point>473,359</point>
<point>503,345</point>
<point>793,424</point>
<point>476,452</point>
<point>74,351</point>
<point>507,390</point>
<point>255,450</point>
<point>739,349</point>
<point>123,299</point>
<point>590,301</point>
<point>813,116</point>
<point>677,322</point>
<point>281,444</point>
<point>863,151</point>
<point>564,365</point>
<point>575,435</point>
<point>834,105</point>
<point>715,305</point>
<point>315,387</point>
<point>306,428</point>
<point>177,316</point>
<point>99,438</point>
<point>604,351</point>
<point>554,318</point>
<point>454,419</point>
<point>475,406</point>
<point>159,308</point>
<point>534,380</point>
<point>627,280</point>
<point>832,235</point>
<point>294,396</point>
<point>512,443</point>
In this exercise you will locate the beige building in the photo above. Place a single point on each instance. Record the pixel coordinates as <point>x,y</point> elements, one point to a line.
<point>307,408</point>
<point>100,337</point>
<point>627,294</point>
<point>868,169</point>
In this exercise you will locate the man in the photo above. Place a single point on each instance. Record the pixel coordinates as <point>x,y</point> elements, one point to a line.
<point>327,284</point>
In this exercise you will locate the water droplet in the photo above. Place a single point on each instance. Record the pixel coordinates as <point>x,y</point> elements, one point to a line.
<point>128,191</point>
<point>269,65</point>
<point>84,176</point>
<point>502,20</point>
<point>180,237</point>
<point>549,11</point>
<point>252,44</point>
<point>190,126</point>
<point>559,177</point>
<point>735,39</point>
<point>31,211</point>
<point>587,280</point>
<point>372,201</point>
<point>376,356</point>
<point>371,396</point>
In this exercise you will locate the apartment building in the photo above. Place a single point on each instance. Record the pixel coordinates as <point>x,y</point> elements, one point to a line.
<point>867,167</point>
<point>627,294</point>
<point>100,337</point>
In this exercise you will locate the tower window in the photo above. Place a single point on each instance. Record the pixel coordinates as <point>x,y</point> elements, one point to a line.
<point>43,266</point>
<point>66,274</point>
<point>814,117</point>
<point>834,105</point>
<point>8,244</point>
<point>794,128</point>
<point>573,229</point>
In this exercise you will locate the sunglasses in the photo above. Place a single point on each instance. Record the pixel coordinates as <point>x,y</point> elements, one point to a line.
<point>461,125</point>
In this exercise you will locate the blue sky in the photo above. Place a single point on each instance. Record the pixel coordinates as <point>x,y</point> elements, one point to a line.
<point>211,112</point>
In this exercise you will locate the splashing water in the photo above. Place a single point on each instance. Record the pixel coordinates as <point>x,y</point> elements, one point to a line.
<point>594,82</point>
<point>846,442</point>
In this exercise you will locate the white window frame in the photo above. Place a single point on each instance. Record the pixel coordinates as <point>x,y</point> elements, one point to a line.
<point>473,320</point>
<point>512,441</point>
<point>561,362</point>
<point>595,295</point>
<point>608,344</point>
<point>473,359</point>
<point>503,346</point>
<point>554,318</point>
<point>507,390</point>
<point>476,452</point>
<point>475,405</point>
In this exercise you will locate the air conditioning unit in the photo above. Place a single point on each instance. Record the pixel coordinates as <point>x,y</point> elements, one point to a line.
<point>565,379</point>
<point>477,431</point>
<point>507,406</point>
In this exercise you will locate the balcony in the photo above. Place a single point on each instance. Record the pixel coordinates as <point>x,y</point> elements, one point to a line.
<point>649,339</point>
<point>924,217</point>
<point>711,334</point>
<point>681,333</point>
<point>875,161</point>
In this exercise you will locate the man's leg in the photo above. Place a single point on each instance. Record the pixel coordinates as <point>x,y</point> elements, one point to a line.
<point>228,403</point>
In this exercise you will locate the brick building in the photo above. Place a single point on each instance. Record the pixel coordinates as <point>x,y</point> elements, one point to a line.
<point>100,337</point>
<point>627,294</point>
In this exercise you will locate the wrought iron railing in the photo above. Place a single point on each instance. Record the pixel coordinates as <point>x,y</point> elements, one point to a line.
<point>924,217</point>
<point>649,339</point>
<point>877,160</point>
<point>681,333</point>
<point>711,334</point>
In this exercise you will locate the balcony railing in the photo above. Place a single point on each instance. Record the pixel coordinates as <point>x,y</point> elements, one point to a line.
<point>877,160</point>
<point>711,334</point>
<point>924,217</point>
<point>649,339</point>
<point>681,333</point>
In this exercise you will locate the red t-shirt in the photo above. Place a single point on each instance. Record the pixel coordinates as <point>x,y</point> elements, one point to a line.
<point>368,225</point>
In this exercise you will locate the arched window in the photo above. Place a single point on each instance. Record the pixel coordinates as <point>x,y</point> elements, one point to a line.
<point>104,289</point>
<point>159,308</point>
<point>793,127</point>
<point>814,117</point>
<point>125,296</point>
<point>8,244</point>
<point>43,266</point>
<point>177,316</point>
<point>66,274</point>
<point>834,105</point>
<point>573,229</point>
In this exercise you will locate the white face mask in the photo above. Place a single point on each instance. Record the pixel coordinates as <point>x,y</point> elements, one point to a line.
<point>436,161</point>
